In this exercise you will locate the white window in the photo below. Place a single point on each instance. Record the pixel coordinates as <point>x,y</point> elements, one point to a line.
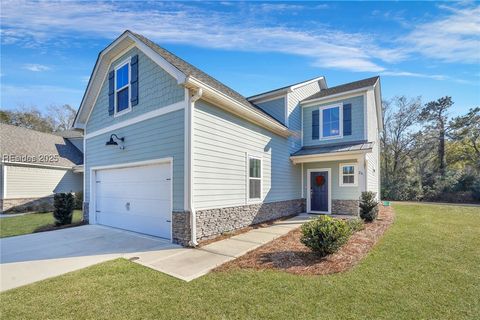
<point>254,185</point>
<point>348,175</point>
<point>122,88</point>
<point>331,118</point>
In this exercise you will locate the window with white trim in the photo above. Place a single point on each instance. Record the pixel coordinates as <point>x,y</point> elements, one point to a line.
<point>122,88</point>
<point>348,175</point>
<point>331,122</point>
<point>254,178</point>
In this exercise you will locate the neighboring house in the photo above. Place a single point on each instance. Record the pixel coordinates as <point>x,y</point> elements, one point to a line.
<point>35,165</point>
<point>172,152</point>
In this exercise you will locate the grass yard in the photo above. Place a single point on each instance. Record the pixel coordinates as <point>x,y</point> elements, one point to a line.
<point>29,223</point>
<point>427,266</point>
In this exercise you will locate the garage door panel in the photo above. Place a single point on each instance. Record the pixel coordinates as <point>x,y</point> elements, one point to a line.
<point>135,198</point>
<point>145,190</point>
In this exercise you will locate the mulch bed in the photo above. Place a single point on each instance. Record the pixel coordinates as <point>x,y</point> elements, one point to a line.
<point>288,254</point>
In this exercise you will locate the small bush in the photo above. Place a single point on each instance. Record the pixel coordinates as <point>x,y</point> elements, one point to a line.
<point>355,225</point>
<point>79,200</point>
<point>368,206</point>
<point>63,208</point>
<point>325,235</point>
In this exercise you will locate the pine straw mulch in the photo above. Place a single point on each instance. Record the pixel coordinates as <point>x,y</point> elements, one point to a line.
<point>288,254</point>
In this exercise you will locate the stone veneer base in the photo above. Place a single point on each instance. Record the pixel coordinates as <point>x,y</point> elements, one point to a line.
<point>347,207</point>
<point>43,204</point>
<point>212,222</point>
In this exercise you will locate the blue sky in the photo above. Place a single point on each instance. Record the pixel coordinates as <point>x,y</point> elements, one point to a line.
<point>427,49</point>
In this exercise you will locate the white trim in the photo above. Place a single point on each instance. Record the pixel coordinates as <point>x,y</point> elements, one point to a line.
<point>287,89</point>
<point>187,151</point>
<point>247,196</point>
<point>4,184</point>
<point>120,65</point>
<point>286,110</point>
<point>344,155</point>
<point>225,102</point>
<point>12,163</point>
<point>335,97</point>
<point>309,195</point>
<point>340,121</point>
<point>145,116</point>
<point>92,199</point>
<point>303,187</point>
<point>355,175</point>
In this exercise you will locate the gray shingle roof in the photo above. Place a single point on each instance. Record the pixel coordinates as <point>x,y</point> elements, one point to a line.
<point>334,147</point>
<point>22,142</point>
<point>190,70</point>
<point>344,88</point>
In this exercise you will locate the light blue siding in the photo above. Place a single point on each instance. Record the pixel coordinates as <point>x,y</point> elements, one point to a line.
<point>338,192</point>
<point>358,130</point>
<point>275,108</point>
<point>159,137</point>
<point>157,89</point>
<point>221,144</point>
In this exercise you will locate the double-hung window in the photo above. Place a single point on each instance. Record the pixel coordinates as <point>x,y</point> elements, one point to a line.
<point>331,122</point>
<point>254,178</point>
<point>348,172</point>
<point>122,88</point>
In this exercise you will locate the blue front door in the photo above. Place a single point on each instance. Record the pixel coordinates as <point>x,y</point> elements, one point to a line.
<point>319,191</point>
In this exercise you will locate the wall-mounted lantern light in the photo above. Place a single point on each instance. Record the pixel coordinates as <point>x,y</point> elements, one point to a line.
<point>112,142</point>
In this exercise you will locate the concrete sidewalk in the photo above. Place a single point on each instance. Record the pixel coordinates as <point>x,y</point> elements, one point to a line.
<point>189,264</point>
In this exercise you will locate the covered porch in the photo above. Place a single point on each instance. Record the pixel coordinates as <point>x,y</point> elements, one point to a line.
<point>333,177</point>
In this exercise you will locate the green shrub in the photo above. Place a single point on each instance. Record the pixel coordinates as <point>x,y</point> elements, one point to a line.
<point>368,206</point>
<point>325,235</point>
<point>355,225</point>
<point>63,208</point>
<point>79,200</point>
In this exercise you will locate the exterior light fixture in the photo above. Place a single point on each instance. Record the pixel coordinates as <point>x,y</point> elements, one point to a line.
<point>112,142</point>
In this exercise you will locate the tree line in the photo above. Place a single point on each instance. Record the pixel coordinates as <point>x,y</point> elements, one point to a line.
<point>55,119</point>
<point>428,155</point>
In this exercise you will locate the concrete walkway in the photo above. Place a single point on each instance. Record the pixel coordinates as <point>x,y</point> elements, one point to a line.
<point>189,264</point>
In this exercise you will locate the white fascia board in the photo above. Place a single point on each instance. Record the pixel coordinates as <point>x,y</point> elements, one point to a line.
<point>344,95</point>
<point>333,156</point>
<point>237,108</point>
<point>283,91</point>
<point>378,104</point>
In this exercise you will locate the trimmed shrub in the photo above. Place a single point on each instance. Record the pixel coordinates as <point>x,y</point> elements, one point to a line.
<point>355,224</point>
<point>79,200</point>
<point>63,208</point>
<point>368,206</point>
<point>325,235</point>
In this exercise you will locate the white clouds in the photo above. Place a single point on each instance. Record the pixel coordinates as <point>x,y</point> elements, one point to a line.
<point>453,38</point>
<point>35,67</point>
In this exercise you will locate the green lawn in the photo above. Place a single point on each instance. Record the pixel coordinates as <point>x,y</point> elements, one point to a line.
<point>14,226</point>
<point>427,266</point>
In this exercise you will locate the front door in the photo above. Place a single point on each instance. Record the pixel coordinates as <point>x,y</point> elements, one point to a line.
<point>319,191</point>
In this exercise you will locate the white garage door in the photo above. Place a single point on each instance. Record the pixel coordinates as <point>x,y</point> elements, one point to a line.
<point>135,198</point>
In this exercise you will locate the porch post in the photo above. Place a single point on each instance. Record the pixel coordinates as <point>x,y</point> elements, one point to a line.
<point>362,173</point>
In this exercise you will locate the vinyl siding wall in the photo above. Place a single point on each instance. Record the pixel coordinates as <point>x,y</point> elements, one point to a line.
<point>275,108</point>
<point>34,181</point>
<point>221,144</point>
<point>155,138</point>
<point>373,158</point>
<point>338,192</point>
<point>156,89</point>
<point>358,122</point>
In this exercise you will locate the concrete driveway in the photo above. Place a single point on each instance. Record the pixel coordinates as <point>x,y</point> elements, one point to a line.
<point>33,257</point>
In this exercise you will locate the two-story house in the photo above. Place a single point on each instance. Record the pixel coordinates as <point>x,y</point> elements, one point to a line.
<point>172,152</point>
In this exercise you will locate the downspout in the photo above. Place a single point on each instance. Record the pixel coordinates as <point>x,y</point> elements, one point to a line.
<point>193,216</point>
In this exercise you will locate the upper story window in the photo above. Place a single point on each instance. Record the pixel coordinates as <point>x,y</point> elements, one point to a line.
<point>330,122</point>
<point>122,88</point>
<point>254,178</point>
<point>348,172</point>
